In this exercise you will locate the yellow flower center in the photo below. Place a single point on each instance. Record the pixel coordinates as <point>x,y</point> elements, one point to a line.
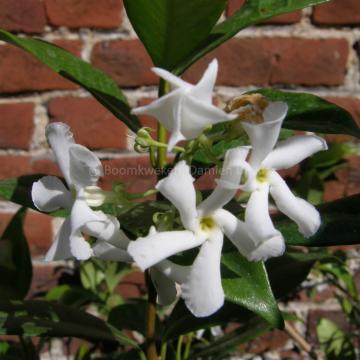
<point>207,224</point>
<point>262,175</point>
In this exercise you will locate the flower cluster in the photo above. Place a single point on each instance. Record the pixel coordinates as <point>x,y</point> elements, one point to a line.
<point>186,112</point>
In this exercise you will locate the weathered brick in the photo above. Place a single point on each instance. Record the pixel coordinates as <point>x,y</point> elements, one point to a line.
<point>294,17</point>
<point>22,15</point>
<point>14,165</point>
<point>135,171</point>
<point>37,229</point>
<point>21,72</point>
<point>16,125</point>
<point>271,61</point>
<point>126,61</point>
<point>45,277</point>
<point>92,125</point>
<point>132,285</point>
<point>333,190</point>
<point>337,12</point>
<point>104,14</point>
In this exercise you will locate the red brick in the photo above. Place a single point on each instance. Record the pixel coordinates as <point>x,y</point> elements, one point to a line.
<point>37,228</point>
<point>21,72</point>
<point>22,15</point>
<point>132,285</point>
<point>333,190</point>
<point>269,342</point>
<point>92,125</point>
<point>135,171</point>
<point>294,17</point>
<point>45,277</point>
<point>104,14</point>
<point>337,12</point>
<point>277,61</point>
<point>12,166</point>
<point>126,61</point>
<point>16,125</point>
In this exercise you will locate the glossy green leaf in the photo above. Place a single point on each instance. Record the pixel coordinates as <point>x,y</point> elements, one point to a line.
<point>15,260</point>
<point>311,113</point>
<point>287,272</point>
<point>172,29</point>
<point>228,342</point>
<point>340,225</point>
<point>44,318</point>
<point>101,86</point>
<point>334,342</point>
<point>18,190</point>
<point>251,13</point>
<point>131,316</point>
<point>246,283</point>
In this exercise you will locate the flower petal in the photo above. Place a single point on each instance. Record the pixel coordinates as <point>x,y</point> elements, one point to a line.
<point>60,139</point>
<point>231,173</point>
<point>267,240</point>
<point>300,211</point>
<point>264,136</point>
<point>202,290</point>
<point>150,250</point>
<point>175,81</point>
<point>165,287</point>
<point>79,247</point>
<point>85,167</point>
<point>178,188</point>
<point>60,249</point>
<point>50,194</point>
<point>235,230</point>
<point>165,109</point>
<point>175,272</point>
<point>105,251</point>
<point>197,116</point>
<point>294,150</point>
<point>203,90</point>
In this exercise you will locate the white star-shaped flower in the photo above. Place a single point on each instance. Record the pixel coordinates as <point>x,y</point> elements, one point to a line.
<point>81,170</point>
<point>262,179</point>
<point>205,226</point>
<point>187,110</point>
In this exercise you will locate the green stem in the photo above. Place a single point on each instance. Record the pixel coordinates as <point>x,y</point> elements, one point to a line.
<point>164,88</point>
<point>178,347</point>
<point>151,319</point>
<point>188,345</point>
<point>134,196</point>
<point>163,351</point>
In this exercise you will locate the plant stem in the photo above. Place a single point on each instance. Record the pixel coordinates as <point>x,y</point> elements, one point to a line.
<point>163,351</point>
<point>164,88</point>
<point>178,347</point>
<point>151,319</point>
<point>303,344</point>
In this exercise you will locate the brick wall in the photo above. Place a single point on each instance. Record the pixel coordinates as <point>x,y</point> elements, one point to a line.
<point>316,50</point>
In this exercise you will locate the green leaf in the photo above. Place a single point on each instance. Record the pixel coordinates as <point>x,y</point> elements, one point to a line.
<point>252,12</point>
<point>334,342</point>
<point>101,86</point>
<point>311,113</point>
<point>15,260</point>
<point>340,225</point>
<point>246,283</point>
<point>18,190</point>
<point>287,272</point>
<point>44,318</point>
<point>131,316</point>
<point>225,344</point>
<point>172,29</point>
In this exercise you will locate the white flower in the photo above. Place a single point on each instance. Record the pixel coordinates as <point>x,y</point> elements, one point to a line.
<point>205,226</point>
<point>81,170</point>
<point>187,110</point>
<point>262,179</point>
